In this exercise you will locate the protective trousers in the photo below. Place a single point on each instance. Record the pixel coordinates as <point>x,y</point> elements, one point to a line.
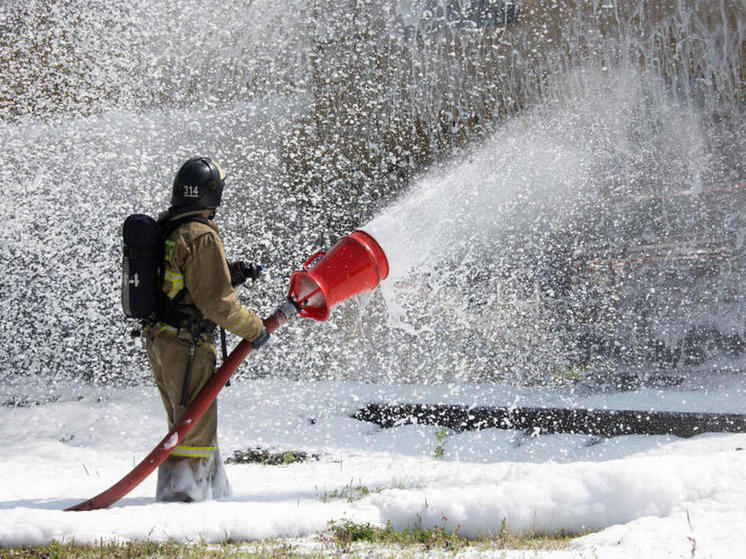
<point>194,471</point>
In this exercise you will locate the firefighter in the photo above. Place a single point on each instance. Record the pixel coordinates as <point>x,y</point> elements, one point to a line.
<point>198,294</point>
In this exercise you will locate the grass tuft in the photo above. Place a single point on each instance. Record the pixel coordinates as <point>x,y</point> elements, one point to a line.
<point>343,536</point>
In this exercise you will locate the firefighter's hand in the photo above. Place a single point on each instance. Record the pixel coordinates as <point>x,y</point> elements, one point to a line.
<point>261,339</point>
<point>241,271</point>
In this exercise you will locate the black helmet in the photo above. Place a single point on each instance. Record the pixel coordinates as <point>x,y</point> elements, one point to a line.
<point>198,185</point>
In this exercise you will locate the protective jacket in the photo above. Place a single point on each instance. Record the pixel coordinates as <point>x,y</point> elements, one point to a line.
<point>195,260</point>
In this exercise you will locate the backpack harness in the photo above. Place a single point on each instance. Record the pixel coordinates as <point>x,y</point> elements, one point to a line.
<point>143,269</point>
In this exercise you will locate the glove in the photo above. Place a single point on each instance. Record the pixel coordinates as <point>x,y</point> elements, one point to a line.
<point>240,272</point>
<point>261,339</point>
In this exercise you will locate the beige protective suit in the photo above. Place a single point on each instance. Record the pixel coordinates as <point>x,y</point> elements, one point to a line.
<point>195,261</point>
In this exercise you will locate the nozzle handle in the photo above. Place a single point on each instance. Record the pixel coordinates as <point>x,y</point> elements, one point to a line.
<point>287,310</point>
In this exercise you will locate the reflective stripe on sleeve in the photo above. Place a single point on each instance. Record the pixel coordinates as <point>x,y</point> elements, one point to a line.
<point>243,319</point>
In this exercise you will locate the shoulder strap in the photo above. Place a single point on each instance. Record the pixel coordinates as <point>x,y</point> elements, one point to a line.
<point>169,308</point>
<point>168,227</point>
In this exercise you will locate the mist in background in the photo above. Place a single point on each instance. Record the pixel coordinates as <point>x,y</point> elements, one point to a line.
<point>556,183</point>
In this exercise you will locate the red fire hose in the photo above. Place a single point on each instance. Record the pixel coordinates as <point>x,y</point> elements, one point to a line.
<point>356,263</point>
<point>195,410</point>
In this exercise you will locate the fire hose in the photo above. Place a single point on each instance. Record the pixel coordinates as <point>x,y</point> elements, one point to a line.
<point>356,263</point>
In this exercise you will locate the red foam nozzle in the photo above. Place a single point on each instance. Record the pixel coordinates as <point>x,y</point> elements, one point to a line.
<point>355,264</point>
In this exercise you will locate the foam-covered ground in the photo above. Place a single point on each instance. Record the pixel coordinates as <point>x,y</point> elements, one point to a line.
<point>636,495</point>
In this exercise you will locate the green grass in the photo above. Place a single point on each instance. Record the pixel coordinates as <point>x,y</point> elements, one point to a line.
<point>352,492</point>
<point>349,493</point>
<point>356,540</point>
<point>342,537</point>
<point>151,550</point>
<point>440,448</point>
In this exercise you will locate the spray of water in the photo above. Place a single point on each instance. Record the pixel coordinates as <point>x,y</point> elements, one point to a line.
<point>457,212</point>
<point>592,116</point>
<point>450,208</point>
<point>485,256</point>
